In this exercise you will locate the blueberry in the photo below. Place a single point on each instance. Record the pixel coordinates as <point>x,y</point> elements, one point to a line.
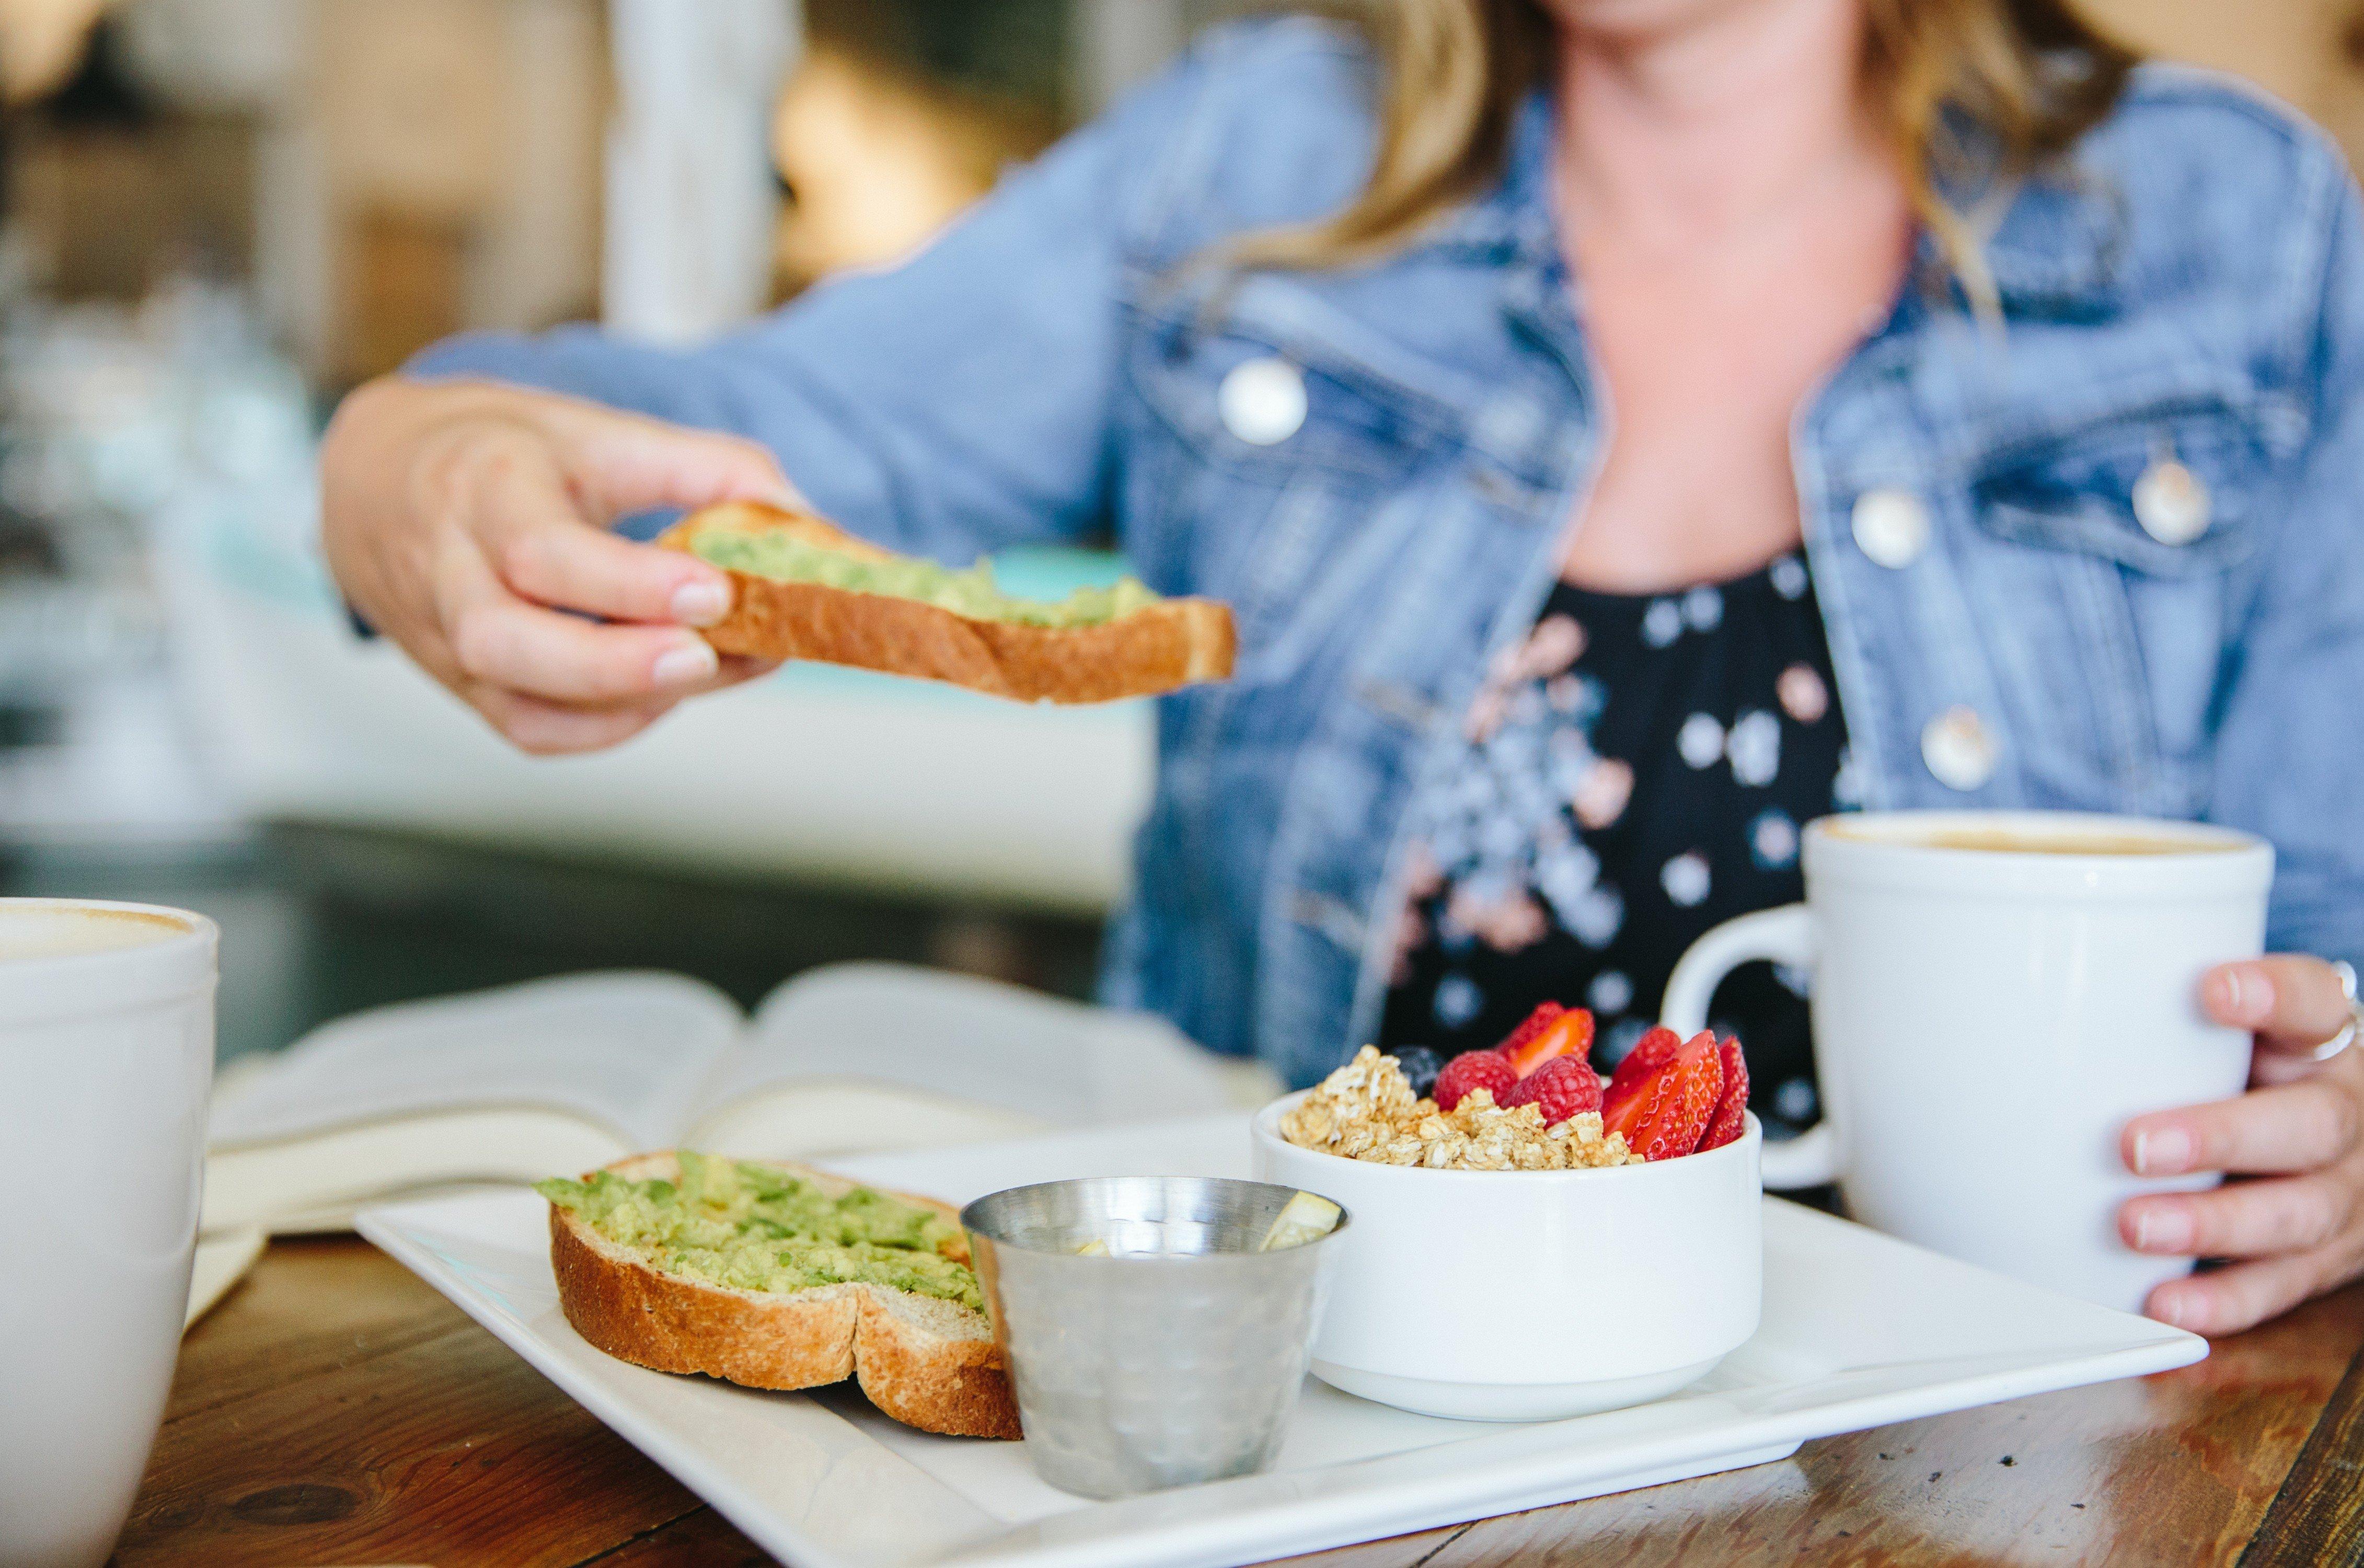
<point>1420,1065</point>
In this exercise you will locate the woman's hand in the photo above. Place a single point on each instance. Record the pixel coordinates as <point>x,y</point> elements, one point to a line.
<point>465,519</point>
<point>2297,1229</point>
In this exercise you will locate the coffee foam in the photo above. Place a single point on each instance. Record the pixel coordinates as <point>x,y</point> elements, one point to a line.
<point>2008,839</point>
<point>38,929</point>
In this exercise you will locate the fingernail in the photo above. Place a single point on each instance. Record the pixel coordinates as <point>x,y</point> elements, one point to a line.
<point>2249,994</point>
<point>2162,1153</point>
<point>685,665</point>
<point>2162,1230</point>
<point>700,602</point>
<point>2169,1307</point>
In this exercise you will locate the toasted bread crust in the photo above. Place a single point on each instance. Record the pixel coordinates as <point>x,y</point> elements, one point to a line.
<point>1175,642</point>
<point>954,1387</point>
<point>936,1382</point>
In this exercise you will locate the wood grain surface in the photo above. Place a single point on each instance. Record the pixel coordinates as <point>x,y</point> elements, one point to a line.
<point>336,1411</point>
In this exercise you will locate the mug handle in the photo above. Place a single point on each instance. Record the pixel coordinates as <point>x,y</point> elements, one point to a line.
<point>1786,936</point>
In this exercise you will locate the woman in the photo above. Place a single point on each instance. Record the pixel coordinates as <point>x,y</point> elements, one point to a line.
<point>1976,396</point>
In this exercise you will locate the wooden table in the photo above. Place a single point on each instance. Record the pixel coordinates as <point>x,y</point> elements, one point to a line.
<point>336,1411</point>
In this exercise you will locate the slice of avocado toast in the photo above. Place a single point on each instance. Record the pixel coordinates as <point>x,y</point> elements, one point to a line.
<point>785,556</point>
<point>803,588</point>
<point>778,1276</point>
<point>764,1227</point>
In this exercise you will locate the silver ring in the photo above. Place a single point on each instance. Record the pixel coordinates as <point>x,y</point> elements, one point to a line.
<point>2347,1035</point>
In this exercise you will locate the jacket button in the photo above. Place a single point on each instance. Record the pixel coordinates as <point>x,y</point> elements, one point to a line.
<point>2171,504</point>
<point>1892,527</point>
<point>1262,401</point>
<point>1958,749</point>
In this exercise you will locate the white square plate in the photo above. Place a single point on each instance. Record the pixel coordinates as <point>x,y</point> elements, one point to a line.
<point>1860,1331</point>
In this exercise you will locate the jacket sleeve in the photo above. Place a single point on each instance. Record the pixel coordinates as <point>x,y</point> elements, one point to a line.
<point>961,401</point>
<point>2291,745</point>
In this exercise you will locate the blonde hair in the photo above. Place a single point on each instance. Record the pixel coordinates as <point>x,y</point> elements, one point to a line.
<point>2023,78</point>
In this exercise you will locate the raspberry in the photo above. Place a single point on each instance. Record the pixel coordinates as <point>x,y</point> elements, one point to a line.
<point>1563,1087</point>
<point>1727,1124</point>
<point>1474,1070</point>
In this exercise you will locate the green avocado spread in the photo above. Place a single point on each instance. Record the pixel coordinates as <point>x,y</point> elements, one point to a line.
<point>971,593</point>
<point>732,1222</point>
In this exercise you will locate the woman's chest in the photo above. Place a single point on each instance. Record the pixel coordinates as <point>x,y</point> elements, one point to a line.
<point>2035,547</point>
<point>1706,361</point>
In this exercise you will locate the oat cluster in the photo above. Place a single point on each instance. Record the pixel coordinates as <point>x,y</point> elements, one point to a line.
<point>1366,1110</point>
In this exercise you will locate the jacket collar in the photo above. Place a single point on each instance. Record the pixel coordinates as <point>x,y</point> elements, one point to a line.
<point>2057,247</point>
<point>1517,218</point>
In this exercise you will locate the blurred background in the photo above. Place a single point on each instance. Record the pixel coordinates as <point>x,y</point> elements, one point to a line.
<point>220,215</point>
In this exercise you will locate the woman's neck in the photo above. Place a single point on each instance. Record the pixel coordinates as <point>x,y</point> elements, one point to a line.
<point>1701,128</point>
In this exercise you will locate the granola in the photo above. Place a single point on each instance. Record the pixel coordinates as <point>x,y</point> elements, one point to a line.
<point>1366,1110</point>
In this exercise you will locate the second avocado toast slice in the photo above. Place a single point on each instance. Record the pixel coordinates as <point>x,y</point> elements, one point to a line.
<point>779,1276</point>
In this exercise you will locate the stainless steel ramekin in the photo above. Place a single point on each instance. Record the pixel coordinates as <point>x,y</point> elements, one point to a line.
<point>1173,1359</point>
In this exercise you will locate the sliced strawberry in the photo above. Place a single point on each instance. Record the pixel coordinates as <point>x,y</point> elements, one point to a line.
<point>1649,1057</point>
<point>1563,1087</point>
<point>1726,1124</point>
<point>1666,1117</point>
<point>1474,1070</point>
<point>1541,1018</point>
<point>1571,1034</point>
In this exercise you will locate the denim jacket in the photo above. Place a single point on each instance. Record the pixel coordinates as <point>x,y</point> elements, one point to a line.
<point>2014,619</point>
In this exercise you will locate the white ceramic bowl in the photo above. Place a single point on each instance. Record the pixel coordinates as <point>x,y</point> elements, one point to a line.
<point>1529,1295</point>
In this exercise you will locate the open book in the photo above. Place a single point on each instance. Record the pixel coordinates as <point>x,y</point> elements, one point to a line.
<point>558,1076</point>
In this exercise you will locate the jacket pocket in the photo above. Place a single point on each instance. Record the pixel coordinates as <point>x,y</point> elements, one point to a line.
<point>2107,634</point>
<point>2078,489</point>
<point>1359,417</point>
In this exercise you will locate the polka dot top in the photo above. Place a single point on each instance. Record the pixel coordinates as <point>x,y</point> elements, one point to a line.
<point>1634,772</point>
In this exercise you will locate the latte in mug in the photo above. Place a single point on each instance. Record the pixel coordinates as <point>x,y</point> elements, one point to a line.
<point>1995,996</point>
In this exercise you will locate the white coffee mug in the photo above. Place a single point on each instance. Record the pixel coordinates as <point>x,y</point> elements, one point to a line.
<point>1995,995</point>
<point>107,1045</point>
